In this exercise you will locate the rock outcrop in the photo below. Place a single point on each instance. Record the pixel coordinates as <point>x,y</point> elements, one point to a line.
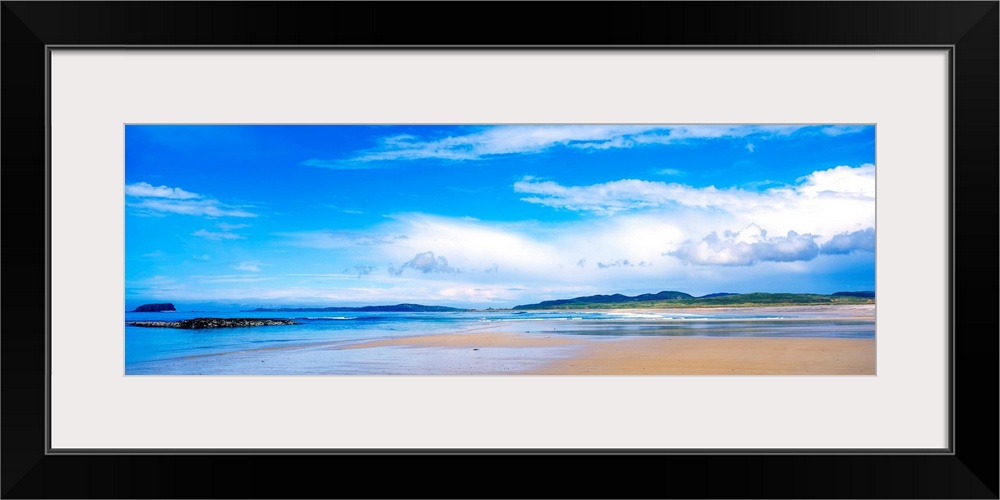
<point>206,323</point>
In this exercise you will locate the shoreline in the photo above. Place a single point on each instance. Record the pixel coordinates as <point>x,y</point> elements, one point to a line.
<point>672,355</point>
<point>837,310</point>
<point>663,355</point>
<point>595,347</point>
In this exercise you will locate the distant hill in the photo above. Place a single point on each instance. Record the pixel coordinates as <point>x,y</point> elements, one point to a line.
<point>154,308</point>
<point>855,294</point>
<point>605,299</point>
<point>395,308</point>
<point>680,299</point>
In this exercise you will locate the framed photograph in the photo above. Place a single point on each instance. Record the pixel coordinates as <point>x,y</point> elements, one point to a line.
<point>730,252</point>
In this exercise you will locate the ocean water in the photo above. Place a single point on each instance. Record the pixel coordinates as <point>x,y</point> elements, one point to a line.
<point>319,342</point>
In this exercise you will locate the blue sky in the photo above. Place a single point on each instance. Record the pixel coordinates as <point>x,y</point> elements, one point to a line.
<point>493,216</point>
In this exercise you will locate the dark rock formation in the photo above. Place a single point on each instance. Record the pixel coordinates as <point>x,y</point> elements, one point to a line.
<point>206,323</point>
<point>153,308</point>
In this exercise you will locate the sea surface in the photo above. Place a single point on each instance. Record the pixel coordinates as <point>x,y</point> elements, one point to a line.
<point>317,344</point>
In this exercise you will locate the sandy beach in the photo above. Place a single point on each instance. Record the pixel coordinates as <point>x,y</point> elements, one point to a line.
<point>675,355</point>
<point>669,355</point>
<point>792,340</point>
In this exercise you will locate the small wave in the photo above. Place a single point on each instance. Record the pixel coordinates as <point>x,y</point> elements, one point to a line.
<point>636,315</point>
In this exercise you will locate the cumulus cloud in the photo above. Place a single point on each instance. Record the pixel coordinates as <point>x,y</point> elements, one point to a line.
<point>231,227</point>
<point>425,262</point>
<point>216,235</point>
<point>525,139</point>
<point>747,247</point>
<point>842,181</point>
<point>845,243</point>
<point>494,268</point>
<point>612,197</point>
<point>581,263</point>
<point>163,200</point>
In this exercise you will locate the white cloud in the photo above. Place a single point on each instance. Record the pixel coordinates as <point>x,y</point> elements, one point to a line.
<point>164,200</point>
<point>231,227</point>
<point>748,246</point>
<point>526,139</point>
<point>669,171</point>
<point>199,280</point>
<point>608,198</point>
<point>617,263</point>
<point>202,257</point>
<point>216,236</point>
<point>146,190</point>
<point>206,208</point>
<point>842,181</point>
<point>426,262</point>
<point>326,239</point>
<point>526,255</point>
<point>750,147</point>
<point>836,130</point>
<point>818,188</point>
<point>253,267</point>
<point>346,164</point>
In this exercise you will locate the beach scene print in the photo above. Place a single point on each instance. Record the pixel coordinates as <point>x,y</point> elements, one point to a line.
<point>489,250</point>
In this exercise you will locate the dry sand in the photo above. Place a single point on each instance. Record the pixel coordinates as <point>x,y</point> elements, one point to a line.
<point>721,356</point>
<point>670,355</point>
<point>664,355</point>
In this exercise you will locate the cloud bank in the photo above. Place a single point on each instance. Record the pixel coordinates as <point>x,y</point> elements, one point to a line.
<point>612,197</point>
<point>530,139</point>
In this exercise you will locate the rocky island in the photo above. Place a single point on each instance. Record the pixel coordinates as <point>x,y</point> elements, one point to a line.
<point>147,308</point>
<point>206,323</point>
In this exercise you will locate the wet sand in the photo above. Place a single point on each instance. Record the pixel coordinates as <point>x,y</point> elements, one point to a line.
<point>675,355</point>
<point>661,355</point>
<point>671,355</point>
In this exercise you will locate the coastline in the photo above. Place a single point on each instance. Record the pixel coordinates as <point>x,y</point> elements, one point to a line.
<point>672,355</point>
<point>758,342</point>
<point>664,355</point>
<point>821,310</point>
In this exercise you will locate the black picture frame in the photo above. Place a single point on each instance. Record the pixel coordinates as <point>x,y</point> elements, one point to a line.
<point>968,470</point>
